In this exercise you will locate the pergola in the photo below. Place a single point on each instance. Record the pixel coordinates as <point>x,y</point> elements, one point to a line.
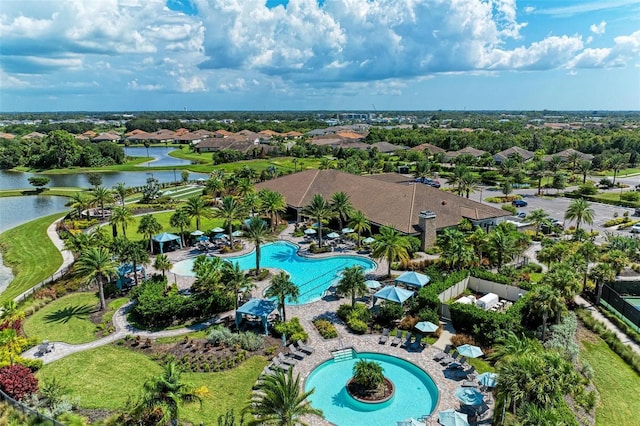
<point>413,279</point>
<point>393,294</point>
<point>166,237</point>
<point>261,308</point>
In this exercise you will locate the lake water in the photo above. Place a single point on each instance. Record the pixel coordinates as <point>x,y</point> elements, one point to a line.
<point>17,210</point>
<point>160,155</point>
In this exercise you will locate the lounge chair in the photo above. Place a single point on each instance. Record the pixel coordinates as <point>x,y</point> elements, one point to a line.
<point>304,348</point>
<point>449,358</point>
<point>469,384</point>
<point>286,360</point>
<point>417,344</point>
<point>459,364</point>
<point>397,339</point>
<point>442,355</point>
<point>277,365</point>
<point>407,341</point>
<point>472,374</point>
<point>295,352</point>
<point>385,336</point>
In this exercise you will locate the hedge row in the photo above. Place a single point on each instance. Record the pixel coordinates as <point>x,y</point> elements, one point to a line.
<point>486,326</point>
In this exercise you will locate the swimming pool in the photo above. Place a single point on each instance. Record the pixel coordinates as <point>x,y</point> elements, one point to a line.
<point>416,393</point>
<point>312,276</point>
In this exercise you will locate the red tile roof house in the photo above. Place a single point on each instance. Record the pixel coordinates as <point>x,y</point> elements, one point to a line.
<point>107,137</point>
<point>387,199</point>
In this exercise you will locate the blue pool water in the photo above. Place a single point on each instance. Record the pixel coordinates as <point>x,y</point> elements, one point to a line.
<point>312,276</point>
<point>416,393</point>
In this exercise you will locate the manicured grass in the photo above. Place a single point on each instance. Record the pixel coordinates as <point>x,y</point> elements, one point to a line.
<point>616,383</point>
<point>30,253</point>
<point>65,319</point>
<point>60,191</point>
<point>623,172</point>
<point>163,218</point>
<point>112,307</point>
<point>283,163</point>
<point>481,365</point>
<point>536,276</point>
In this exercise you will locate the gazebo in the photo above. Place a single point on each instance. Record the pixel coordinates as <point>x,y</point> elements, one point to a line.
<point>166,237</point>
<point>393,294</point>
<point>125,272</point>
<point>261,308</point>
<point>413,279</point>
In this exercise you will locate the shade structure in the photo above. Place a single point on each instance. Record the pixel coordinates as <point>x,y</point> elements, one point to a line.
<point>333,235</point>
<point>347,230</point>
<point>217,230</point>
<point>219,236</point>
<point>373,284</point>
<point>258,308</point>
<point>310,231</point>
<point>426,326</point>
<point>237,233</point>
<point>368,240</point>
<point>470,351</point>
<point>197,233</point>
<point>488,379</point>
<point>452,418</point>
<point>469,396</point>
<point>393,294</point>
<point>202,238</point>
<point>413,279</point>
<point>410,422</point>
<point>166,237</point>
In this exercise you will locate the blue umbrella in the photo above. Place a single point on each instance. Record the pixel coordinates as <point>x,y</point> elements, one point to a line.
<point>470,351</point>
<point>452,418</point>
<point>373,284</point>
<point>217,230</point>
<point>393,294</point>
<point>237,233</point>
<point>197,233</point>
<point>309,231</point>
<point>333,235</point>
<point>219,236</point>
<point>368,240</point>
<point>488,379</point>
<point>469,396</point>
<point>426,326</point>
<point>347,230</point>
<point>202,238</point>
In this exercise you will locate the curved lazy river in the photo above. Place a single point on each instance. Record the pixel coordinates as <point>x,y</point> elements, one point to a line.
<point>312,276</point>
<point>416,394</point>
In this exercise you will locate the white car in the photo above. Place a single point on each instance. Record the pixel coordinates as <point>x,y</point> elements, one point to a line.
<point>635,229</point>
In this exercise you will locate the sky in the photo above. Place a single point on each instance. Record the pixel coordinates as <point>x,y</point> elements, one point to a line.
<point>265,55</point>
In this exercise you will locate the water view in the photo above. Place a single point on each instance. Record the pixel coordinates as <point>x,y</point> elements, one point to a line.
<point>18,210</point>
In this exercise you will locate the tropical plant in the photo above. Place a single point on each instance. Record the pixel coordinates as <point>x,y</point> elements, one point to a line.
<point>79,201</point>
<point>229,209</point>
<point>468,184</point>
<point>456,251</point>
<point>537,218</point>
<point>162,263</point>
<point>149,226</point>
<point>282,288</point>
<point>101,196</point>
<point>272,204</point>
<point>616,163</point>
<point>584,167</point>
<point>359,223</point>
<point>368,374</point>
<point>17,381</point>
<point>96,265</point>
<point>258,234</point>
<point>618,259</point>
<point>235,280</point>
<point>563,278</point>
<point>195,207</point>
<point>503,244</point>
<point>121,215</point>
<point>538,171</point>
<point>133,252</point>
<point>180,219</point>
<point>602,273</point>
<point>390,245</point>
<point>341,206</point>
<point>281,401</point>
<point>120,189</point>
<point>581,211</point>
<point>319,209</point>
<point>352,283</point>
<point>547,302</point>
<point>510,345</point>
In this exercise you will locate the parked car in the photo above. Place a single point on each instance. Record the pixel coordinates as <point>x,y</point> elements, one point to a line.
<point>519,203</point>
<point>635,229</point>
<point>521,215</point>
<point>431,182</point>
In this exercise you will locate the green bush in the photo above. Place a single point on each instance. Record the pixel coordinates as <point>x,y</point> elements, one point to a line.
<point>390,311</point>
<point>250,341</point>
<point>616,221</point>
<point>357,326</point>
<point>326,329</point>
<point>292,329</point>
<point>509,208</point>
<point>630,196</point>
<point>588,188</point>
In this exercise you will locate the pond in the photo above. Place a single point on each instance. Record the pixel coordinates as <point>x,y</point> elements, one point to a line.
<point>159,153</point>
<point>19,210</point>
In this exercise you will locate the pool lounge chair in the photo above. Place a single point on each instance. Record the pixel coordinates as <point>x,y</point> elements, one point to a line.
<point>459,364</point>
<point>407,341</point>
<point>442,355</point>
<point>277,365</point>
<point>397,339</point>
<point>295,352</point>
<point>286,360</point>
<point>304,348</point>
<point>385,336</point>
<point>449,358</point>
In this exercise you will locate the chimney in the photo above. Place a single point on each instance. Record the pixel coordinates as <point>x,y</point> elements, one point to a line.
<point>427,222</point>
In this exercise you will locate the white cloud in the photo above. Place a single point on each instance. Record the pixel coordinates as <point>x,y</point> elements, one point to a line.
<point>191,84</point>
<point>133,84</point>
<point>598,28</point>
<point>529,9</point>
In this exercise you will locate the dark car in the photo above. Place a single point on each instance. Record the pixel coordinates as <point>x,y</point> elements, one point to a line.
<point>431,182</point>
<point>519,203</point>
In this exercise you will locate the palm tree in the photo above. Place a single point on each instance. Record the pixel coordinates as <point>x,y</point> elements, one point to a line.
<point>537,218</point>
<point>252,202</point>
<point>618,259</point>
<point>584,167</point>
<point>258,233</point>
<point>547,302</point>
<point>196,207</point>
<point>180,219</point>
<point>162,263</point>
<point>282,288</point>
<point>616,163</point>
<point>149,226</point>
<point>352,283</point>
<point>214,186</point>
<point>121,215</point>
<point>167,392</point>
<point>79,201</point>
<point>101,196</point>
<point>244,187</point>
<point>390,245</point>
<point>97,266</point>
<point>272,204</point>
<point>502,244</point>
<point>120,189</point>
<point>281,401</point>
<point>538,171</point>
<point>589,252</point>
<point>341,205</point>
<point>79,242</point>
<point>319,209</point>
<point>511,345</point>
<point>132,252</point>
<point>602,273</point>
<point>229,210</point>
<point>359,223</point>
<point>235,280</point>
<point>456,251</point>
<point>478,239</point>
<point>581,211</point>
<point>456,178</point>
<point>468,184</point>
<point>563,278</point>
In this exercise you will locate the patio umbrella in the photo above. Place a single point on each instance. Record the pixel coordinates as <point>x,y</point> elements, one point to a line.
<point>217,230</point>
<point>219,236</point>
<point>309,231</point>
<point>197,233</point>
<point>470,351</point>
<point>368,240</point>
<point>347,230</point>
<point>452,418</point>
<point>237,233</point>
<point>393,294</point>
<point>488,379</point>
<point>469,396</point>
<point>426,326</point>
<point>202,238</point>
<point>373,284</point>
<point>333,235</point>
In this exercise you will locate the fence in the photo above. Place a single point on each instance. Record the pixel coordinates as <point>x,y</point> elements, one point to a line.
<point>53,278</point>
<point>28,411</point>
<point>615,301</point>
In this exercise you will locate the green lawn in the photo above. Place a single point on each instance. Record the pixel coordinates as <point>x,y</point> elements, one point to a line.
<point>616,383</point>
<point>30,253</point>
<point>163,218</point>
<point>481,365</point>
<point>105,377</point>
<point>58,190</point>
<point>65,319</point>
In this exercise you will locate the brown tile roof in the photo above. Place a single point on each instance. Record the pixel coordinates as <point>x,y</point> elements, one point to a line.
<point>432,149</point>
<point>349,135</point>
<point>386,147</point>
<point>466,150</point>
<point>269,133</point>
<point>162,135</point>
<point>4,135</point>
<point>181,131</point>
<point>135,132</point>
<point>107,136</point>
<point>509,152</point>
<point>383,201</point>
<point>34,135</point>
<point>222,133</point>
<point>90,133</point>
<point>293,134</point>
<point>564,155</point>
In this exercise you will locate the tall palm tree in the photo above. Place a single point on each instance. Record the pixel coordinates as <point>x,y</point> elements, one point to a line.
<point>478,239</point>
<point>230,209</point>
<point>162,263</point>
<point>101,196</point>
<point>563,278</point>
<point>120,189</point>
<point>235,280</point>
<point>584,167</point>
<point>319,209</point>
<point>79,201</point>
<point>121,215</point>
<point>538,170</point>
<point>352,283</point>
<point>502,244</point>
<point>133,252</point>
<point>258,234</point>
<point>341,205</point>
<point>244,187</point>
<point>590,253</point>
<point>537,218</point>
<point>581,211</point>
<point>359,223</point>
<point>618,260</point>
<point>281,401</point>
<point>272,205</point>
<point>197,208</point>
<point>214,186</point>
<point>282,288</point>
<point>167,392</point>
<point>149,226</point>
<point>548,303</point>
<point>456,178</point>
<point>97,266</point>
<point>616,163</point>
<point>468,184</point>
<point>180,219</point>
<point>251,202</point>
<point>456,251</point>
<point>602,273</point>
<point>390,245</point>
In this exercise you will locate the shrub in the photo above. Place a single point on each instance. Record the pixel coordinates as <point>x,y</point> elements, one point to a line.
<point>486,326</point>
<point>326,329</point>
<point>630,196</point>
<point>509,208</point>
<point>616,221</point>
<point>390,311</point>
<point>460,339</point>
<point>408,322</point>
<point>17,381</point>
<point>563,336</point>
<point>357,326</point>
<point>587,189</point>
<point>220,336</point>
<point>250,341</point>
<point>292,329</point>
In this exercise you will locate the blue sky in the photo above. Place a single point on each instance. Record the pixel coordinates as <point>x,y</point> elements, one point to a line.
<point>112,55</point>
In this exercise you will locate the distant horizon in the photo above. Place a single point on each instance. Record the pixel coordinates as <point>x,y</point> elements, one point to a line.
<point>124,111</point>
